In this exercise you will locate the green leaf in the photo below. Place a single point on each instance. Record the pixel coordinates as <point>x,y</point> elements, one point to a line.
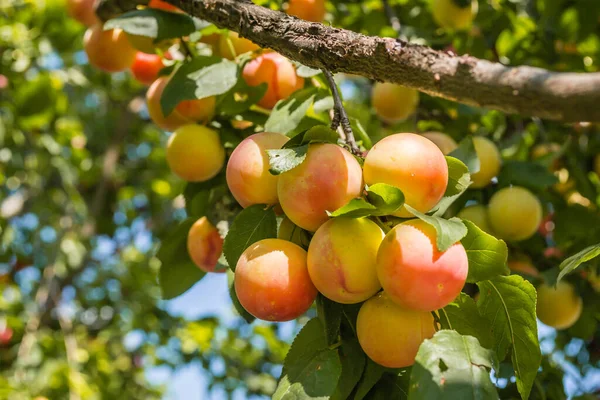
<point>251,225</point>
<point>452,366</point>
<point>527,174</point>
<point>466,153</point>
<point>459,180</point>
<point>311,370</point>
<point>509,302</point>
<point>487,255</point>
<point>200,196</point>
<point>569,264</point>
<point>391,387</point>
<point>383,199</point>
<point>462,316</point>
<point>154,23</point>
<point>373,373</point>
<point>353,365</point>
<point>449,231</point>
<point>240,98</point>
<point>320,134</point>
<point>249,318</point>
<point>306,72</point>
<point>288,113</point>
<point>177,272</point>
<point>330,314</point>
<point>283,160</point>
<point>203,76</point>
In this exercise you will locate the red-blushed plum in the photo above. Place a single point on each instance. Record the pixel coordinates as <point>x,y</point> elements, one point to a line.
<point>342,257</point>
<point>186,112</point>
<point>195,153</point>
<point>272,281</point>
<point>524,267</point>
<point>204,245</point>
<point>411,163</point>
<point>328,178</point>
<point>278,73</point>
<point>145,67</point>
<point>558,307</point>
<point>309,10</point>
<point>393,103</point>
<point>109,50</point>
<point>391,334</point>
<point>83,11</point>
<point>414,273</point>
<point>248,175</point>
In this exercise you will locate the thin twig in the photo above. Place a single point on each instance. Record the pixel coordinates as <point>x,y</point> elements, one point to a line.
<point>186,48</point>
<point>392,16</point>
<point>339,114</point>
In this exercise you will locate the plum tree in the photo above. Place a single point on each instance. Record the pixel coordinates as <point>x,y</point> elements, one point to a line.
<point>310,10</point>
<point>515,213</point>
<point>293,233</point>
<point>443,141</point>
<point>145,67</point>
<point>272,281</point>
<point>194,153</point>
<point>342,257</point>
<point>414,273</point>
<point>232,45</point>
<point>391,334</point>
<point>393,103</point>
<point>108,50</point>
<point>558,307</point>
<point>248,176</point>
<point>83,11</point>
<point>277,72</point>
<point>412,163</point>
<point>186,112</point>
<point>477,214</point>
<point>204,245</point>
<point>489,162</point>
<point>328,178</point>
<point>454,14</point>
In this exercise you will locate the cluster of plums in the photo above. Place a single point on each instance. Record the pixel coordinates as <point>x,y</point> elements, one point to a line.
<point>347,260</point>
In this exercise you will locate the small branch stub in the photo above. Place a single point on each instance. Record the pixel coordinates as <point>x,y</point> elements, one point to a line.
<point>339,114</point>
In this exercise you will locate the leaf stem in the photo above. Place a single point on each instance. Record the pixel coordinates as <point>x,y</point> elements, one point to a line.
<point>186,48</point>
<point>339,114</point>
<point>335,345</point>
<point>383,226</point>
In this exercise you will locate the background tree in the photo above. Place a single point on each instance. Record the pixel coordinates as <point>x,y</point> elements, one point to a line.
<point>87,193</point>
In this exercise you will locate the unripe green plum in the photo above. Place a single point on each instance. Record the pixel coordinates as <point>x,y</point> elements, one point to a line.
<point>109,50</point>
<point>477,214</point>
<point>448,14</point>
<point>515,213</point>
<point>444,142</point>
<point>411,163</point>
<point>328,178</point>
<point>414,273</point>
<point>390,334</point>
<point>204,245</point>
<point>489,162</point>
<point>195,153</point>
<point>232,45</point>
<point>272,281</point>
<point>248,175</point>
<point>342,257</point>
<point>558,307</point>
<point>393,103</point>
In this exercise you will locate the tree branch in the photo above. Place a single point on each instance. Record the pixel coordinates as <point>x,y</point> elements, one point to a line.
<point>523,90</point>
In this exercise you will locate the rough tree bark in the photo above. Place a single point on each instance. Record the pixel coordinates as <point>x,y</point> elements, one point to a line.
<point>522,90</point>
